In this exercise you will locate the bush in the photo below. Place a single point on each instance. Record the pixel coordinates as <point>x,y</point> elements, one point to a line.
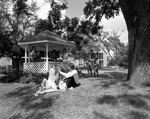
<point>3,70</point>
<point>26,78</point>
<point>111,62</point>
<point>38,78</point>
<point>11,76</point>
<point>32,78</point>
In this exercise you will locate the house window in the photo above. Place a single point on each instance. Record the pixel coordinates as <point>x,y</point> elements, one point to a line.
<point>100,56</point>
<point>101,63</point>
<point>81,63</point>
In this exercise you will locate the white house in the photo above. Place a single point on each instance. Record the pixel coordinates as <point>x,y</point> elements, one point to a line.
<point>5,61</point>
<point>102,58</point>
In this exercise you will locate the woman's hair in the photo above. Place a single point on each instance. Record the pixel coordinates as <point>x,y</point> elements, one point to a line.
<point>71,65</point>
<point>33,48</point>
<point>64,50</point>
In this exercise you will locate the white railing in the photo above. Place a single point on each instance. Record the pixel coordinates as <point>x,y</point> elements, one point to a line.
<point>40,67</point>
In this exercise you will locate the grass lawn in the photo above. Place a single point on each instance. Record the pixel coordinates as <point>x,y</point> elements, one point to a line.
<point>105,97</point>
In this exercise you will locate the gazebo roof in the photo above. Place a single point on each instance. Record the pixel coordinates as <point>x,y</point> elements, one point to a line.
<point>46,36</point>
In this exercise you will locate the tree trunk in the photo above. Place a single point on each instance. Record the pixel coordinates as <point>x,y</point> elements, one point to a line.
<point>17,63</point>
<point>137,17</point>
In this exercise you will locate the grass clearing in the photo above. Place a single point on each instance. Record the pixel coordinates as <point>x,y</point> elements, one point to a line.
<point>103,97</point>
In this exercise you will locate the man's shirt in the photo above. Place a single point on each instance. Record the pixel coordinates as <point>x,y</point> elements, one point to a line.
<point>73,74</point>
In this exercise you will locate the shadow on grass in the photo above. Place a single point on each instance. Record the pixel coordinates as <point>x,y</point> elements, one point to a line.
<point>16,116</point>
<point>137,115</point>
<point>113,75</point>
<point>41,115</point>
<point>136,101</point>
<point>128,86</point>
<point>114,82</point>
<point>100,116</point>
<point>35,115</point>
<point>107,99</point>
<point>28,102</point>
<point>112,78</point>
<point>109,83</point>
<point>105,76</point>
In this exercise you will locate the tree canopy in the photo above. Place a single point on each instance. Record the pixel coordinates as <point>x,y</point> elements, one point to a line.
<point>71,29</point>
<point>17,21</point>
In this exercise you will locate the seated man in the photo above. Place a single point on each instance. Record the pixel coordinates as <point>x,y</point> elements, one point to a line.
<point>72,77</point>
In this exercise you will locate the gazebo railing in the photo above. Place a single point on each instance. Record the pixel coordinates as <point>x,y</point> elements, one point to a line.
<point>40,67</point>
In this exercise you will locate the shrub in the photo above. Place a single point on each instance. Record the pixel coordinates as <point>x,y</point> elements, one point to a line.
<point>32,78</point>
<point>11,76</point>
<point>3,70</point>
<point>38,78</point>
<point>26,78</point>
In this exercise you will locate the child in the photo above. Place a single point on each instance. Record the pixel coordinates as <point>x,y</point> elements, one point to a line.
<point>96,66</point>
<point>89,66</point>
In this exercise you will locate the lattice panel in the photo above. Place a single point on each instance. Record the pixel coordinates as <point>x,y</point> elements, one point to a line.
<point>40,67</point>
<point>35,67</point>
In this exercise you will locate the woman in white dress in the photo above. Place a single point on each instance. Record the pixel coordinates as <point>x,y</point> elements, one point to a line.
<point>49,84</point>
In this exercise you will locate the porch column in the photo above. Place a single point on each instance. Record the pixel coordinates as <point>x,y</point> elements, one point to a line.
<point>47,45</point>
<point>28,53</point>
<point>25,54</point>
<point>26,48</point>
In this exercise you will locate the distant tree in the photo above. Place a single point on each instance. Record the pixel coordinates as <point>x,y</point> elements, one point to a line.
<point>83,33</point>
<point>113,43</point>
<point>121,56</point>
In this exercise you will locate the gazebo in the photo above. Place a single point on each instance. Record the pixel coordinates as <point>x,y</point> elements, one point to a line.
<point>45,41</point>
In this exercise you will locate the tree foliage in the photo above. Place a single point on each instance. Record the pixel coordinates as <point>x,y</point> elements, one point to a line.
<point>97,8</point>
<point>71,29</point>
<point>121,56</point>
<point>18,20</point>
<point>5,45</point>
<point>94,11</point>
<point>54,21</point>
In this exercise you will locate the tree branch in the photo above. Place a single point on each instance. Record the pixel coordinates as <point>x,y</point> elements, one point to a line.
<point>105,9</point>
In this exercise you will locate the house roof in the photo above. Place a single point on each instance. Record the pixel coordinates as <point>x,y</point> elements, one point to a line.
<point>46,36</point>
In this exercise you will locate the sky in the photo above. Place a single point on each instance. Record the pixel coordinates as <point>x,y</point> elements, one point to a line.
<point>75,9</point>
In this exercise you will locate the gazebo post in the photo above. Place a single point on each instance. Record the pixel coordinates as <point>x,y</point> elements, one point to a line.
<point>28,53</point>
<point>47,45</point>
<point>26,47</point>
